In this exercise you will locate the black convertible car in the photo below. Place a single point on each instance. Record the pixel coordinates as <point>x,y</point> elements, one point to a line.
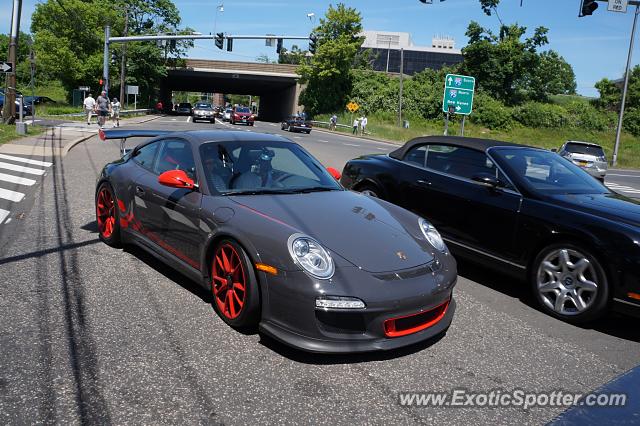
<point>522,210</point>
<point>278,241</point>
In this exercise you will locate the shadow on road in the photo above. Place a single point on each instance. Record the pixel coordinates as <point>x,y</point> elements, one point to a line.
<point>613,324</point>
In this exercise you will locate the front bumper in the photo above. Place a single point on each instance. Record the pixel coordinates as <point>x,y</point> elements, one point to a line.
<point>290,314</point>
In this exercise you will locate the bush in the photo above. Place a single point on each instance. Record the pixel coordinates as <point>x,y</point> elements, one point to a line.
<point>631,121</point>
<point>491,113</point>
<point>586,116</point>
<point>535,114</point>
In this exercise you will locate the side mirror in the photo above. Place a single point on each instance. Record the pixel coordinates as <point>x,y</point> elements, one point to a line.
<point>176,179</point>
<point>554,149</point>
<point>487,179</point>
<point>333,172</point>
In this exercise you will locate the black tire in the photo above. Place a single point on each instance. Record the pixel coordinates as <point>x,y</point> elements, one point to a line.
<point>371,190</point>
<point>112,238</point>
<point>250,311</point>
<point>308,132</point>
<point>596,305</point>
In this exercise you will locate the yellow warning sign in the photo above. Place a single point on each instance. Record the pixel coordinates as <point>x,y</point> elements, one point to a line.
<point>353,107</point>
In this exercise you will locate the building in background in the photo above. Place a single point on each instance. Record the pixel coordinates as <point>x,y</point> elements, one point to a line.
<point>385,50</point>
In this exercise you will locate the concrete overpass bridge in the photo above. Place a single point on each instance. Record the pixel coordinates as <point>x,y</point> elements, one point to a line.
<point>276,84</point>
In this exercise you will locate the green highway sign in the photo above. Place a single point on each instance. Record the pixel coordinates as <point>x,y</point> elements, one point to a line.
<point>458,94</point>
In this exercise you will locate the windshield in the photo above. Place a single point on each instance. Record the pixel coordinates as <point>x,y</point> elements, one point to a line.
<point>183,105</point>
<point>580,148</point>
<point>254,167</point>
<point>203,106</point>
<point>243,110</point>
<point>546,172</point>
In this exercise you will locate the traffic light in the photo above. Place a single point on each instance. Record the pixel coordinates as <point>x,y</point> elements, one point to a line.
<point>313,40</point>
<point>587,7</point>
<point>114,58</point>
<point>219,40</point>
<point>279,46</point>
<point>229,44</point>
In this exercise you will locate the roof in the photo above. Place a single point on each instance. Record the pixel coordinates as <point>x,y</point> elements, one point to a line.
<point>472,143</point>
<point>583,143</point>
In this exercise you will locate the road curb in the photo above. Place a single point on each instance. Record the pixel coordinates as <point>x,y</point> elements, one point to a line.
<point>75,142</point>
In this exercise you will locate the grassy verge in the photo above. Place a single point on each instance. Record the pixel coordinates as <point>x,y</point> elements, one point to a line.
<point>385,127</point>
<point>8,132</point>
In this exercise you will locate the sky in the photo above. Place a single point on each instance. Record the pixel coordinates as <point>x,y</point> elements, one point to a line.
<point>596,46</point>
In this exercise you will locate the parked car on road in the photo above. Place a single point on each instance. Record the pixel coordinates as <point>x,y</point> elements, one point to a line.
<point>26,108</point>
<point>184,108</point>
<point>203,111</point>
<point>242,115</point>
<point>279,243</point>
<point>586,155</point>
<point>295,123</point>
<point>520,210</point>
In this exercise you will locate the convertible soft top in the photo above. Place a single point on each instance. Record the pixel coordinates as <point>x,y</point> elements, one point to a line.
<point>472,143</point>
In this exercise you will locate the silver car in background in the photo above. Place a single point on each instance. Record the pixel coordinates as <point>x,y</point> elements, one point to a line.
<point>586,155</point>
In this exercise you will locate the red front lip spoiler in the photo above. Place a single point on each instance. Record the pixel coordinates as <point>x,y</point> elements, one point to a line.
<point>409,324</point>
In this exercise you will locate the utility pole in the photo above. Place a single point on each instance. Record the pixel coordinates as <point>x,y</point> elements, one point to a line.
<point>401,76</point>
<point>388,52</point>
<point>105,60</point>
<point>123,60</point>
<point>614,158</point>
<point>9,110</point>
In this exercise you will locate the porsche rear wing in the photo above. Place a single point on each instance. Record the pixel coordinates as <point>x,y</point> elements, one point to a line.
<point>123,135</point>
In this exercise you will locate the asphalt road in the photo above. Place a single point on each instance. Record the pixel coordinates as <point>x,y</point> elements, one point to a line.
<point>92,334</point>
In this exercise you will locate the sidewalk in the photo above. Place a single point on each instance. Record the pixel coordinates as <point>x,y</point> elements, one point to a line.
<point>58,140</point>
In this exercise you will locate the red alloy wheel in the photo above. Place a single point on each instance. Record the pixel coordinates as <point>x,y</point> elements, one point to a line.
<point>105,212</point>
<point>229,281</point>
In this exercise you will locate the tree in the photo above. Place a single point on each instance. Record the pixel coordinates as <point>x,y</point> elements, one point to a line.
<point>510,68</point>
<point>295,56</point>
<point>328,75</point>
<point>552,76</point>
<point>69,39</point>
<point>23,67</point>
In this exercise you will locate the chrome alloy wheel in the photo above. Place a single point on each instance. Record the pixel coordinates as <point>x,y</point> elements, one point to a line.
<point>567,281</point>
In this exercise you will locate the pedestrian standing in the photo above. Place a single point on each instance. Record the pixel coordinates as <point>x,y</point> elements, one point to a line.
<point>102,108</point>
<point>333,121</point>
<point>356,123</point>
<point>159,106</point>
<point>363,123</point>
<point>115,111</point>
<point>89,106</point>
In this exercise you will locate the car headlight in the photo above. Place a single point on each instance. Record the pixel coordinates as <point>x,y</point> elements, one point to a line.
<point>310,256</point>
<point>432,235</point>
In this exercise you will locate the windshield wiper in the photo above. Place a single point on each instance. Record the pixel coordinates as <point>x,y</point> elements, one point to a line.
<point>259,192</point>
<point>316,189</point>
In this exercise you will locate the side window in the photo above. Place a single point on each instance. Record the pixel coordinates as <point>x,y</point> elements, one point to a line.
<point>416,155</point>
<point>461,162</point>
<point>145,155</point>
<point>176,155</point>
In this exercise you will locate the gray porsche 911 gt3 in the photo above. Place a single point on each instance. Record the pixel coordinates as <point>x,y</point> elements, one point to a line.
<point>277,240</point>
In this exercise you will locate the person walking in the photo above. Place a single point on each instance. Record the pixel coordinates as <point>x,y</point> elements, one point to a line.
<point>333,121</point>
<point>115,111</point>
<point>89,106</point>
<point>363,124</point>
<point>102,108</point>
<point>356,124</point>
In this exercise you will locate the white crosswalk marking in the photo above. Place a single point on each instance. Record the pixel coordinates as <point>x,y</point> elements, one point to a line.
<point>623,188</point>
<point>25,160</point>
<point>21,169</point>
<point>15,179</point>
<point>11,195</point>
<point>3,215</point>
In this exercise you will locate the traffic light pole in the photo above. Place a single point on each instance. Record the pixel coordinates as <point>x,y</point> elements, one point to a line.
<point>105,60</point>
<point>614,158</point>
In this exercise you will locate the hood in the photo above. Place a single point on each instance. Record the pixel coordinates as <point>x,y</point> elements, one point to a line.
<point>611,206</point>
<point>352,225</point>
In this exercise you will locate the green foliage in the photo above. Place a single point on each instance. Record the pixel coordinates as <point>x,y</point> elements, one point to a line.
<point>23,69</point>
<point>632,121</point>
<point>69,39</point>
<point>490,112</point>
<point>328,75</point>
<point>536,114</point>
<point>552,75</point>
<point>295,56</point>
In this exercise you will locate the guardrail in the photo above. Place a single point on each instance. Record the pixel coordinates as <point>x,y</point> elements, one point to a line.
<point>326,124</point>
<point>123,112</point>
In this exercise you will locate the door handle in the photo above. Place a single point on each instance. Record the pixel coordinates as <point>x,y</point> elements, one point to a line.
<point>139,191</point>
<point>422,182</point>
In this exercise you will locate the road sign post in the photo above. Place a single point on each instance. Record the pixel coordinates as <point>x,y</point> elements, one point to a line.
<point>458,93</point>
